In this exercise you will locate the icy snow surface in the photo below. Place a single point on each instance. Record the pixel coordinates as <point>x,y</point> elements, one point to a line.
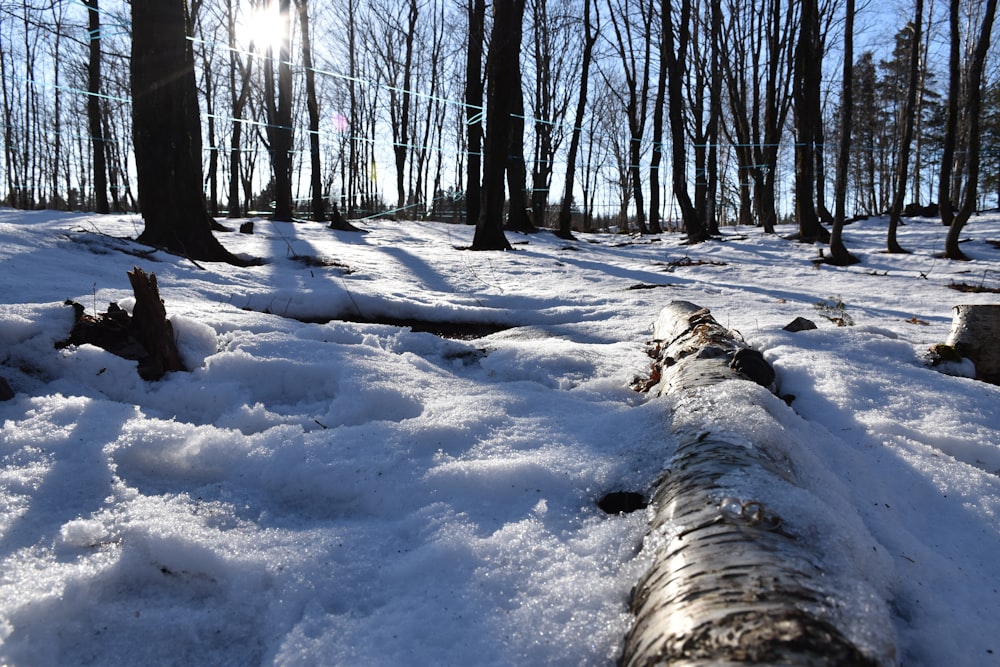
<point>322,492</point>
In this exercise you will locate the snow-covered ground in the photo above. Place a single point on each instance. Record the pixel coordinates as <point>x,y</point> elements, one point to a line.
<point>323,492</point>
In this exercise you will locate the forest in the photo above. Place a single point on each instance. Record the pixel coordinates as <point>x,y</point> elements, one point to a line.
<point>369,446</point>
<point>637,115</point>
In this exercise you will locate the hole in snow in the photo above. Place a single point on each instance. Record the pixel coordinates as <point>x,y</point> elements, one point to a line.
<point>622,502</point>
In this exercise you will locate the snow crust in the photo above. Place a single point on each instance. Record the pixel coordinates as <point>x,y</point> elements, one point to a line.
<point>340,493</point>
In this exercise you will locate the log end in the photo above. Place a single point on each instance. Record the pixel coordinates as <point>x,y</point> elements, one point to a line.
<point>974,332</point>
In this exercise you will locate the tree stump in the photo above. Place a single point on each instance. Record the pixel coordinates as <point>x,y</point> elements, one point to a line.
<point>734,580</point>
<point>975,334</point>
<point>152,328</point>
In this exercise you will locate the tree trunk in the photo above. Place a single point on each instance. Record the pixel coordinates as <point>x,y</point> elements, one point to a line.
<point>94,108</point>
<point>945,202</point>
<point>213,148</point>
<point>504,80</point>
<point>839,255</point>
<point>565,212</point>
<point>806,93</point>
<point>974,98</point>
<point>909,112</point>
<point>474,109</point>
<point>316,170</point>
<point>517,172</point>
<point>238,101</point>
<point>674,61</point>
<point>279,120</point>
<point>738,573</point>
<point>401,146</point>
<point>712,131</point>
<point>167,136</point>
<point>655,162</point>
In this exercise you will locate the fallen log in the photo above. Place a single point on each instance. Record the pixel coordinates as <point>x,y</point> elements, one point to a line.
<point>735,577</point>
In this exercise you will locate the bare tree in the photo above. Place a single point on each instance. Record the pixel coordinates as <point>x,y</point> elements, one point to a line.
<point>715,111</point>
<point>556,63</point>
<point>312,105</point>
<point>166,128</point>
<point>945,195</point>
<point>674,58</point>
<point>504,82</point>
<point>240,69</point>
<point>591,32</point>
<point>474,108</point>
<point>909,111</point>
<point>94,119</point>
<point>517,171</point>
<point>839,254</point>
<point>806,92</point>
<point>759,69</point>
<point>633,48</point>
<point>973,108</point>
<point>278,104</point>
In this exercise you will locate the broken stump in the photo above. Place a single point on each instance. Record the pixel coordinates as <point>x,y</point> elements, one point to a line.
<point>146,337</point>
<point>152,328</point>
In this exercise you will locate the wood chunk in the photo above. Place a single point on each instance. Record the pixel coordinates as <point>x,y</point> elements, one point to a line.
<point>152,328</point>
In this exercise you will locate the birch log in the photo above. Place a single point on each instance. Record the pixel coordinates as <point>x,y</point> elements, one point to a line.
<point>733,580</point>
<point>975,333</point>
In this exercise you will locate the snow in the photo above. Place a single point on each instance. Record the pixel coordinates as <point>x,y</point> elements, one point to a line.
<point>323,491</point>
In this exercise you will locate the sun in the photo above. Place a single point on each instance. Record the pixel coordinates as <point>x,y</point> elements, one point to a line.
<point>264,27</point>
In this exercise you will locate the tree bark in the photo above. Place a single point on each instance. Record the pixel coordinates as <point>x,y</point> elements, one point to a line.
<point>738,574</point>
<point>94,121</point>
<point>279,119</point>
<point>166,133</point>
<point>238,100</point>
<point>806,91</point>
<point>152,328</point>
<point>974,103</point>
<point>674,61</point>
<point>839,255</point>
<point>474,109</point>
<point>655,162</point>
<point>504,81</point>
<point>517,171</point>
<point>712,131</point>
<point>312,105</point>
<point>909,112</point>
<point>590,38</point>
<point>945,202</point>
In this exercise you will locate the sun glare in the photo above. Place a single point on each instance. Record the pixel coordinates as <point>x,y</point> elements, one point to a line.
<point>264,27</point>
